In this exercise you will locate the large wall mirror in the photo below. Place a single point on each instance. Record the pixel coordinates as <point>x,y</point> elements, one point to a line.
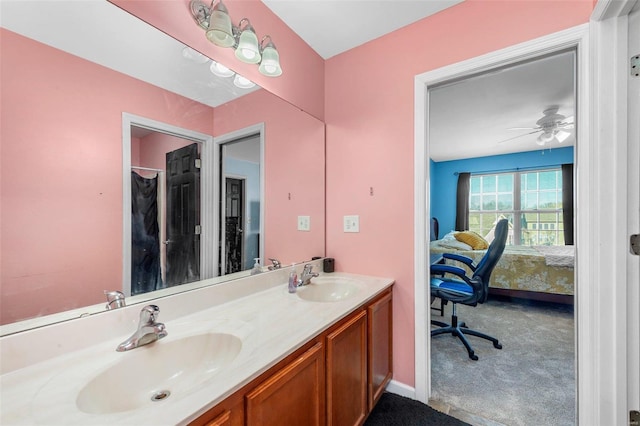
<point>69,101</point>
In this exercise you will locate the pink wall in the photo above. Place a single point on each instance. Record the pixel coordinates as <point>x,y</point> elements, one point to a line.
<point>153,149</point>
<point>369,114</point>
<point>289,133</point>
<point>302,81</point>
<point>61,173</point>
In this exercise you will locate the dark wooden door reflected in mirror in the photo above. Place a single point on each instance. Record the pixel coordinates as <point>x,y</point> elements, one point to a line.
<point>183,216</point>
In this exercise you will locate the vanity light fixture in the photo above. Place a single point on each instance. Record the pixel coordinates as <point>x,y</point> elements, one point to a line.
<point>219,30</point>
<point>243,82</point>
<point>238,80</point>
<point>220,70</point>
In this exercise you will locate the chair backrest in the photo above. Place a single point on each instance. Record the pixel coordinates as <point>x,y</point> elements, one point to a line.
<point>491,258</point>
<point>434,229</point>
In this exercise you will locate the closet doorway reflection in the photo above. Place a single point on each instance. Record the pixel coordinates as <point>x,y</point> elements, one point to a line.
<point>163,194</point>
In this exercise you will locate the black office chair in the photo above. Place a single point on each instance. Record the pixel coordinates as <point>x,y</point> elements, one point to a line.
<point>467,290</point>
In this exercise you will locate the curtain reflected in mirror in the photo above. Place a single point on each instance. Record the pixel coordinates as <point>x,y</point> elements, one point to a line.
<point>146,271</point>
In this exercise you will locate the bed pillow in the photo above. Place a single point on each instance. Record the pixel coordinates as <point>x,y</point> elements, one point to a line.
<point>473,239</point>
<point>452,243</point>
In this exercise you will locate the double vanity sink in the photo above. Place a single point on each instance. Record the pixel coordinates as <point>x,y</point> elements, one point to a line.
<point>206,356</point>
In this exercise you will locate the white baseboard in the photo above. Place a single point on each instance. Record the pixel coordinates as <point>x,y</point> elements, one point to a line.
<point>401,389</point>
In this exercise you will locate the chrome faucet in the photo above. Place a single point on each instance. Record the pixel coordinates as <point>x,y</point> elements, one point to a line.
<point>307,274</point>
<point>115,299</point>
<point>148,330</point>
<point>275,264</point>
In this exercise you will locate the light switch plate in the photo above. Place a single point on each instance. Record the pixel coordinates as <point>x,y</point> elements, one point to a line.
<point>352,223</point>
<point>304,223</point>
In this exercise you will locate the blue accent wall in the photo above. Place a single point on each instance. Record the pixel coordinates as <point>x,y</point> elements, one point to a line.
<point>444,180</point>
<point>251,172</point>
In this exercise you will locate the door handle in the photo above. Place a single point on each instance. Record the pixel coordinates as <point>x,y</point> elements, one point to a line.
<point>166,242</point>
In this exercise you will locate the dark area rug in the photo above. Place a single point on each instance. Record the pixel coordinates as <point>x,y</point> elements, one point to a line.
<point>394,410</point>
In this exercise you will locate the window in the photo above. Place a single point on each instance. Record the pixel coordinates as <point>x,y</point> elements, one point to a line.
<point>531,200</point>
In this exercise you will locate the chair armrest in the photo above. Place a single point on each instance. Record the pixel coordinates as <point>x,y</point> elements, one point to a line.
<point>450,269</point>
<point>460,258</point>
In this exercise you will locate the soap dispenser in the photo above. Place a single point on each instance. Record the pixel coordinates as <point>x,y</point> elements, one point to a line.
<point>293,279</point>
<point>256,267</point>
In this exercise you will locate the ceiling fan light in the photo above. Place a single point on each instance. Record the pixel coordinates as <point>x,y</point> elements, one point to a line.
<point>270,65</point>
<point>248,49</point>
<point>220,30</point>
<point>561,135</point>
<point>544,138</point>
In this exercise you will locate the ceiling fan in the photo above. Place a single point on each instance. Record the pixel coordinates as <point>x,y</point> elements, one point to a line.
<point>552,126</point>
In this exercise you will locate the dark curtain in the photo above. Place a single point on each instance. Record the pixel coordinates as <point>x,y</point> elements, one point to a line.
<point>567,202</point>
<point>462,201</point>
<point>145,239</point>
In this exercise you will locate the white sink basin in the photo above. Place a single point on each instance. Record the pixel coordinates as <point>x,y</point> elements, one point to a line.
<point>153,373</point>
<point>328,289</point>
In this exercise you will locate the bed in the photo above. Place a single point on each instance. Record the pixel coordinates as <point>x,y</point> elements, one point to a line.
<point>532,272</point>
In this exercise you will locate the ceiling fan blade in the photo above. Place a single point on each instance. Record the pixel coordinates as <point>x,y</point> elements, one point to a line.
<point>519,136</point>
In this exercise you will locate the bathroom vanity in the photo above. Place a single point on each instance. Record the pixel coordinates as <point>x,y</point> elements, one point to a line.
<point>336,378</point>
<point>243,352</point>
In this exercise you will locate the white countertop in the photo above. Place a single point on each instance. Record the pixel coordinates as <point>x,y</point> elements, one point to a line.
<point>271,323</point>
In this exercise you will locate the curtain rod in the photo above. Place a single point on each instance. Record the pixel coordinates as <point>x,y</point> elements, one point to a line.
<point>517,169</point>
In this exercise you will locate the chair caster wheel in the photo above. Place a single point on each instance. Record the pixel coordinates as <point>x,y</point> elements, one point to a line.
<point>473,356</point>
<point>497,345</point>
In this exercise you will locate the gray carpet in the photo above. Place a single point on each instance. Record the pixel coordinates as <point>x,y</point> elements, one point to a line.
<point>531,381</point>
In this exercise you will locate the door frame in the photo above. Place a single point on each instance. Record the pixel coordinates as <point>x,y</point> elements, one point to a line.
<point>578,39</point>
<point>228,138</point>
<point>208,212</point>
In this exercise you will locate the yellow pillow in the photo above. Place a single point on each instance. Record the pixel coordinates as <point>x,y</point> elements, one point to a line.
<point>473,239</point>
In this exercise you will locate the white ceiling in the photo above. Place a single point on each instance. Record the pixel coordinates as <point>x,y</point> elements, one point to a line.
<point>331,27</point>
<point>100,32</point>
<point>472,117</point>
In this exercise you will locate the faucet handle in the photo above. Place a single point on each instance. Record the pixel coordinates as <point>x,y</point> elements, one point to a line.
<point>275,264</point>
<point>115,299</point>
<point>149,314</point>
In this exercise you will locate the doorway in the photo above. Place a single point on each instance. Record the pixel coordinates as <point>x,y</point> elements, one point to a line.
<point>568,39</point>
<point>515,165</point>
<point>178,166</point>
<point>241,157</point>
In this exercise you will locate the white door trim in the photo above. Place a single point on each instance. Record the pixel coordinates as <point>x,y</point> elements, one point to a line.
<point>586,305</point>
<point>614,216</point>
<point>208,195</point>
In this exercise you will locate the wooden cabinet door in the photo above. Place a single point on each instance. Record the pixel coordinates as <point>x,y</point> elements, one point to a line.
<point>292,396</point>
<point>347,373</point>
<point>380,347</point>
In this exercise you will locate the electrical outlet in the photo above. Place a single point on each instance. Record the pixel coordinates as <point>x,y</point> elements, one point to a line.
<point>304,223</point>
<point>352,223</point>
